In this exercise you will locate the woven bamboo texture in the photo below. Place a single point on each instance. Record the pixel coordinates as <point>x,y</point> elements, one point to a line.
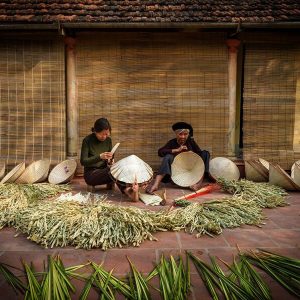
<point>2,170</point>
<point>223,167</point>
<point>187,169</point>
<point>145,82</point>
<point>278,176</point>
<point>14,173</point>
<point>295,172</point>
<point>271,98</point>
<point>63,172</point>
<point>32,106</point>
<point>36,172</point>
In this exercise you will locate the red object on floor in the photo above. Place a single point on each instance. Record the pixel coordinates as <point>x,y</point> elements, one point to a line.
<point>205,190</point>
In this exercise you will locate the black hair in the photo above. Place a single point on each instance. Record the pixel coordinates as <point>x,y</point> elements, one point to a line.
<point>101,124</point>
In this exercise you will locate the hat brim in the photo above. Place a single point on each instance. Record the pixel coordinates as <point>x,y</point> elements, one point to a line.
<point>14,173</point>
<point>63,172</point>
<point>279,177</point>
<point>131,169</point>
<point>255,171</point>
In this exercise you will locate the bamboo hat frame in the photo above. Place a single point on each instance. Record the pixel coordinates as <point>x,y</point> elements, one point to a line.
<point>187,169</point>
<point>131,169</point>
<point>35,172</point>
<point>295,172</point>
<point>279,177</point>
<point>63,172</point>
<point>256,171</point>
<point>2,170</point>
<point>14,173</point>
<point>223,167</point>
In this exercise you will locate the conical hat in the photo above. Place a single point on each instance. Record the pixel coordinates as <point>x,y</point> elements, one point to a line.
<point>278,176</point>
<point>35,172</point>
<point>63,172</point>
<point>131,168</point>
<point>264,163</point>
<point>2,170</point>
<point>14,173</point>
<point>187,169</point>
<point>295,172</point>
<point>253,171</point>
<point>223,167</point>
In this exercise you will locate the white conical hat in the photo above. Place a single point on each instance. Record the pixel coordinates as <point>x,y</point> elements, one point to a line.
<point>295,172</point>
<point>254,172</point>
<point>63,172</point>
<point>35,172</point>
<point>131,168</point>
<point>187,169</point>
<point>278,176</point>
<point>223,167</point>
<point>2,170</point>
<point>14,173</point>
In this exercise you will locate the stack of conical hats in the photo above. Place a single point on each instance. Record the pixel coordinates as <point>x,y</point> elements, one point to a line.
<point>14,174</point>
<point>38,171</point>
<point>131,169</point>
<point>35,172</point>
<point>257,170</point>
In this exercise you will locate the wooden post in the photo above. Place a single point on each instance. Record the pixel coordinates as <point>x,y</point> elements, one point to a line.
<point>72,105</point>
<point>296,140</point>
<point>233,45</point>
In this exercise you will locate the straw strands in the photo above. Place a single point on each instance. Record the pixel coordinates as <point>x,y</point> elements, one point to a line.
<point>100,224</point>
<point>15,197</point>
<point>264,195</point>
<point>210,217</point>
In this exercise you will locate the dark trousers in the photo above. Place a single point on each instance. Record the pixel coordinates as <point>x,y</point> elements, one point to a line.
<point>205,155</point>
<point>97,176</point>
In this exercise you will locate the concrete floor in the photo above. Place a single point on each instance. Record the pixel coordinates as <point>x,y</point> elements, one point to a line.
<point>280,234</point>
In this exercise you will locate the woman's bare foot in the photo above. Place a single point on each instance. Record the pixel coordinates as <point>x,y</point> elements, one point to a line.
<point>151,189</point>
<point>132,192</point>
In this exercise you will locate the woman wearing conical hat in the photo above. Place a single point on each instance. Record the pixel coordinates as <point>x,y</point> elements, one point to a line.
<point>182,142</point>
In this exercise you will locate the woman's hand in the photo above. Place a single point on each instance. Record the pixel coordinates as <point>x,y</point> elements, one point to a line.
<point>110,162</point>
<point>180,149</point>
<point>106,155</point>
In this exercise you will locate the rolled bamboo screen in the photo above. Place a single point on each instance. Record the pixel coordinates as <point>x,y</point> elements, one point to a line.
<point>270,93</point>
<point>32,100</point>
<point>144,82</point>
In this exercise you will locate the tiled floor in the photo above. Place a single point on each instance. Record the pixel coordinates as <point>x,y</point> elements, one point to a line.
<point>280,234</point>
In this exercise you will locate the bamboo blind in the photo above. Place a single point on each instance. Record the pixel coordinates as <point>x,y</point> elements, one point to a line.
<point>32,100</point>
<point>143,82</point>
<point>270,93</point>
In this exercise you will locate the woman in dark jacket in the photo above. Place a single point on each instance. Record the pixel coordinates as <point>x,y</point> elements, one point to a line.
<point>182,142</point>
<point>96,155</point>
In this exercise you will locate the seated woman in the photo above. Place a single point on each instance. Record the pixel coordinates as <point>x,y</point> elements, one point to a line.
<point>182,142</point>
<point>96,155</point>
